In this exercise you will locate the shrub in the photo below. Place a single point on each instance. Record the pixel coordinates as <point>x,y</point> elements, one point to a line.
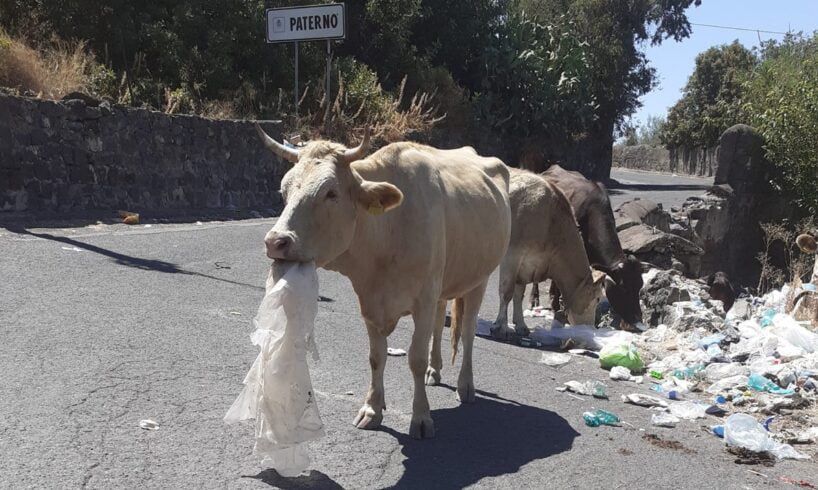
<point>361,102</point>
<point>57,70</point>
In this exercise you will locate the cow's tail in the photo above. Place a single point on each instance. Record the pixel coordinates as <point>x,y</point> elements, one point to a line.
<point>457,325</point>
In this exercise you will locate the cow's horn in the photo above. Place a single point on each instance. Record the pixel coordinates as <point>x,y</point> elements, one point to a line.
<point>359,151</point>
<point>284,152</point>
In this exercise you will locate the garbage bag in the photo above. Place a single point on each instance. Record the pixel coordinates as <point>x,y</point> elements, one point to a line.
<point>621,354</point>
<point>277,390</point>
<point>742,430</point>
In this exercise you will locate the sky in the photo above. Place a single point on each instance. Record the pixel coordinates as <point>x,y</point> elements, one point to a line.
<point>674,61</point>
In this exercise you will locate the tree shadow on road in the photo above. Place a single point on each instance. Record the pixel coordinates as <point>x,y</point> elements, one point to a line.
<point>127,260</point>
<point>619,188</point>
<point>315,479</point>
<point>491,437</point>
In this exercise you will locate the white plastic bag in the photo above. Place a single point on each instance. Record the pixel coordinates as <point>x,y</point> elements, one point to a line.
<point>742,430</point>
<point>664,420</point>
<point>726,384</point>
<point>688,410</point>
<point>785,327</point>
<point>585,336</point>
<point>278,391</point>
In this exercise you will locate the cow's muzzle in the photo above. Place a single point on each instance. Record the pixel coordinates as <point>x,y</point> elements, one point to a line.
<point>279,245</point>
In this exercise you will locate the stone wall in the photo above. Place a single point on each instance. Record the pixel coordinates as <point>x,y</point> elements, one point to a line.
<point>696,161</point>
<point>67,156</point>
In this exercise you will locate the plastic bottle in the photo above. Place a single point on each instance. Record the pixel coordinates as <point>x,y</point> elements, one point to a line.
<point>655,374</point>
<point>597,389</point>
<point>600,417</point>
<point>767,317</point>
<point>689,372</point>
<point>757,382</point>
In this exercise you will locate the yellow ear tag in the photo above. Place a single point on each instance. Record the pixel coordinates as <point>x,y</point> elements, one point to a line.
<point>375,209</point>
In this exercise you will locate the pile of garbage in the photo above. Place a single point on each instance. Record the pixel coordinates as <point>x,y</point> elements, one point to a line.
<point>754,368</point>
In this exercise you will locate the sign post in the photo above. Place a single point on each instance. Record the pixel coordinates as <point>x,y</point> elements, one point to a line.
<point>309,23</point>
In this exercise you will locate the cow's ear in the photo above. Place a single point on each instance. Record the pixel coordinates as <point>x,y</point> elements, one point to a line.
<point>599,277</point>
<point>379,197</point>
<point>807,244</point>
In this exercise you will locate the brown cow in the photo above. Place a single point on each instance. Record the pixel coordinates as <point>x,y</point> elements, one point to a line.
<point>721,289</point>
<point>592,209</point>
<point>411,227</point>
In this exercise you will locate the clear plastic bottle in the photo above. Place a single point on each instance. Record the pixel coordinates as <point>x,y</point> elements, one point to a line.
<point>689,372</point>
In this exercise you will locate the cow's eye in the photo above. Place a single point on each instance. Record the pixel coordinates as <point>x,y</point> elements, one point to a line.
<point>332,194</point>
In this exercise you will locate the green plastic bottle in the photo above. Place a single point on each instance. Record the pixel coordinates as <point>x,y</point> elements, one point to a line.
<point>600,417</point>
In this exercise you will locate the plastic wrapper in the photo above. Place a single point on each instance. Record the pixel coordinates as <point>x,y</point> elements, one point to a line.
<point>742,430</point>
<point>664,420</point>
<point>688,410</point>
<point>786,328</point>
<point>583,335</point>
<point>277,390</point>
<point>726,384</point>
<point>718,371</point>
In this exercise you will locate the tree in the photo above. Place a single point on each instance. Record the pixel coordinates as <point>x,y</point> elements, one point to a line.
<point>535,84</point>
<point>711,100</point>
<point>649,133</point>
<point>781,102</point>
<point>615,31</point>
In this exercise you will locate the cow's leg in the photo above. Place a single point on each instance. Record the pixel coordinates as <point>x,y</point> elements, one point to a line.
<point>371,414</point>
<point>534,297</point>
<point>435,357</point>
<point>519,322</point>
<point>555,296</point>
<point>423,315</point>
<point>471,307</point>
<point>500,328</point>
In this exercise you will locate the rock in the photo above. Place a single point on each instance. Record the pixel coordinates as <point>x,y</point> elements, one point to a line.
<point>87,99</point>
<point>641,211</point>
<point>651,245</point>
<point>677,265</point>
<point>741,161</point>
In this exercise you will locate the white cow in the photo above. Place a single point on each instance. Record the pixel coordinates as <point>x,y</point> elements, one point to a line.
<point>545,243</point>
<point>411,226</point>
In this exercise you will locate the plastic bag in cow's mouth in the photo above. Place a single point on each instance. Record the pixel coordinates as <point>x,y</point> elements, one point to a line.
<point>278,392</point>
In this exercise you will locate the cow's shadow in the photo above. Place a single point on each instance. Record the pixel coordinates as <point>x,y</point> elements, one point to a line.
<point>491,437</point>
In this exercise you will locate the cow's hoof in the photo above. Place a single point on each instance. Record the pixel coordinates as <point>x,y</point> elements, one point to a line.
<point>368,418</point>
<point>422,427</point>
<point>465,392</point>
<point>523,331</point>
<point>503,332</point>
<point>432,376</point>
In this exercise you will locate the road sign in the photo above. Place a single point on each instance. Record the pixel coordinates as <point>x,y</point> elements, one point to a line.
<point>311,23</point>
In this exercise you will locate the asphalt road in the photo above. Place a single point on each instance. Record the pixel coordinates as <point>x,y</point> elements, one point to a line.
<point>670,190</point>
<point>103,326</point>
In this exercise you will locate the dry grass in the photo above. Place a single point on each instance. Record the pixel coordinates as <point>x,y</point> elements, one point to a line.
<point>388,121</point>
<point>779,241</point>
<point>52,73</point>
